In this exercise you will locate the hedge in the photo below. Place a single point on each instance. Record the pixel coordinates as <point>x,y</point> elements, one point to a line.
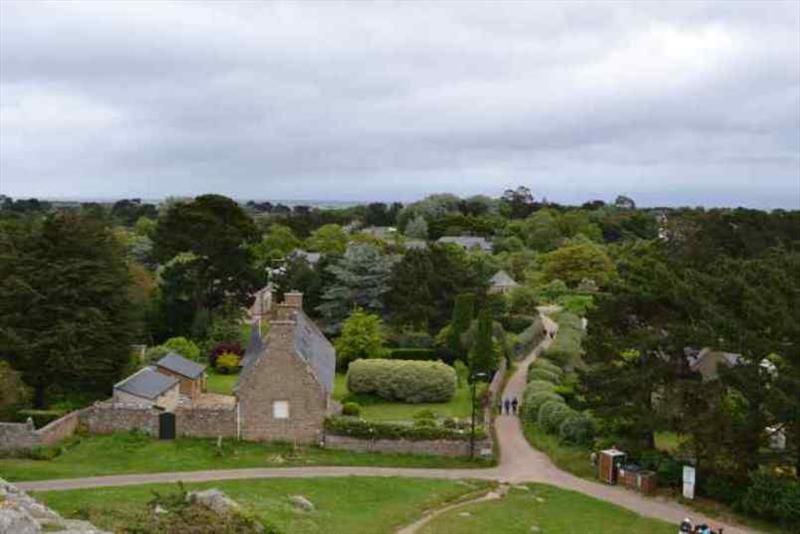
<point>529,338</point>
<point>402,380</point>
<point>566,350</point>
<point>516,323</point>
<point>543,363</point>
<point>577,428</point>
<point>551,414</point>
<point>772,498</point>
<point>533,400</point>
<point>404,353</point>
<point>359,428</point>
<point>539,386</point>
<point>543,374</point>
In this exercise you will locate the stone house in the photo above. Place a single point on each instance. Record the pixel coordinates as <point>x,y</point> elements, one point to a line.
<point>501,282</point>
<point>191,374</point>
<point>147,388</point>
<point>284,389</point>
<point>467,242</point>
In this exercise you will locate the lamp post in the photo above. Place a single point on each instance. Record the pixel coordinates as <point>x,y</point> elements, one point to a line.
<point>474,378</point>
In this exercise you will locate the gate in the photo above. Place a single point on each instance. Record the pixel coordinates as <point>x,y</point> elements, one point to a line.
<point>166,425</point>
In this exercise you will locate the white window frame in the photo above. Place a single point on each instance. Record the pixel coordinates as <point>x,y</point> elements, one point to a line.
<point>280,409</point>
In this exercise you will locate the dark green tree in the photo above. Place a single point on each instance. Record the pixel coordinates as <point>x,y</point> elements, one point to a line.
<point>66,320</point>
<point>482,355</point>
<point>463,314</point>
<point>409,297</point>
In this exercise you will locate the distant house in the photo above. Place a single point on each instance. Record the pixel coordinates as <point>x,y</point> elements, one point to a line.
<point>417,244</point>
<point>192,375</point>
<point>284,389</point>
<point>501,282</point>
<point>147,388</point>
<point>468,242</point>
<point>311,257</point>
<point>262,302</point>
<point>381,232</point>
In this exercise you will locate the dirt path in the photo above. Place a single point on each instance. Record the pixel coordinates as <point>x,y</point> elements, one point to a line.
<point>491,495</point>
<point>519,463</point>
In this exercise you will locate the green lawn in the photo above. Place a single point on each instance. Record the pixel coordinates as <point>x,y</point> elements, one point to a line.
<point>219,383</point>
<point>342,505</point>
<point>567,457</point>
<point>376,409</point>
<point>546,509</point>
<point>136,453</point>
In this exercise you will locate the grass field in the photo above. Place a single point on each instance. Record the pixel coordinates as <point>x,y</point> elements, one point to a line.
<point>342,505</point>
<point>377,409</point>
<point>137,453</point>
<point>219,383</point>
<point>546,509</point>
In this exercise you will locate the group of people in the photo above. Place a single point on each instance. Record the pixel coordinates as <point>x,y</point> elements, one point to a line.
<point>510,406</point>
<point>702,528</point>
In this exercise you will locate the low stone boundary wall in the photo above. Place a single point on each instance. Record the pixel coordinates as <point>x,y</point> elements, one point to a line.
<point>201,422</point>
<point>15,437</point>
<point>107,418</point>
<point>433,447</point>
<point>59,429</point>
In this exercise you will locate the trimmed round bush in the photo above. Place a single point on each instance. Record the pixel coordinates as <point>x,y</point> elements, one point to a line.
<point>551,414</point>
<point>410,381</point>
<point>539,386</point>
<point>542,363</point>
<point>351,408</point>
<point>228,363</point>
<point>531,404</point>
<point>577,428</point>
<point>543,374</point>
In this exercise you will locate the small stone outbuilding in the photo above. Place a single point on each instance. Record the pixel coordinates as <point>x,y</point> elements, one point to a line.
<point>284,390</point>
<point>147,388</point>
<point>192,375</point>
<point>502,282</point>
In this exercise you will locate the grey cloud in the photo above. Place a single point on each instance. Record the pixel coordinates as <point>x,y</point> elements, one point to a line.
<point>681,102</point>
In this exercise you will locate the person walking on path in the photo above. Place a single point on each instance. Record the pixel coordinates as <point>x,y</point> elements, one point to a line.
<point>514,404</point>
<point>508,406</point>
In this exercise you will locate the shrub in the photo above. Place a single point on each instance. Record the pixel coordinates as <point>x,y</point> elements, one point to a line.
<point>539,386</point>
<point>567,391</point>
<point>351,408</point>
<point>577,429</point>
<point>543,374</point>
<point>359,428</point>
<point>516,323</point>
<point>155,353</point>
<point>412,354</point>
<point>533,401</point>
<point>403,380</point>
<point>411,340</point>
<point>551,414</point>
<point>361,338</point>
<point>40,417</point>
<point>543,363</point>
<point>462,372</point>
<point>529,338</point>
<point>228,363</point>
<point>224,347</point>
<point>184,347</point>
<point>772,498</point>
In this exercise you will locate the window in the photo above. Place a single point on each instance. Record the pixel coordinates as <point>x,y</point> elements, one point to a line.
<point>280,409</point>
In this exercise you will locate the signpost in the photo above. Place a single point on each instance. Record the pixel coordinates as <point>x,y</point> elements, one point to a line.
<point>688,481</point>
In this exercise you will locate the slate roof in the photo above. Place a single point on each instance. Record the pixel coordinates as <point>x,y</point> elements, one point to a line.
<point>309,343</point>
<point>254,346</point>
<point>502,278</point>
<point>147,383</point>
<point>467,242</point>
<point>415,244</point>
<point>178,364</point>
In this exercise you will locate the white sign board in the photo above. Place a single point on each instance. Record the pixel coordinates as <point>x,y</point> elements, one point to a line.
<point>688,482</point>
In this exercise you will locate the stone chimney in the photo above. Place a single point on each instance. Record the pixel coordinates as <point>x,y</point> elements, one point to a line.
<point>287,310</point>
<point>294,300</point>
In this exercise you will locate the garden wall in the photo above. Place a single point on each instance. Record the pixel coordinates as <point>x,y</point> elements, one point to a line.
<point>404,446</point>
<point>206,422</point>
<point>24,436</point>
<point>106,418</point>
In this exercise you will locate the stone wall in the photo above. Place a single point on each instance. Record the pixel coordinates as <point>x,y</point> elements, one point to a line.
<point>106,418</point>
<point>202,422</point>
<point>17,436</point>
<point>433,447</point>
<point>59,429</point>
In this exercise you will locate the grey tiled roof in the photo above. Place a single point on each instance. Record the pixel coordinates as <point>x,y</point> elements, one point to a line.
<point>502,278</point>
<point>254,346</point>
<point>147,383</point>
<point>315,348</point>
<point>467,241</point>
<point>311,257</point>
<point>183,366</point>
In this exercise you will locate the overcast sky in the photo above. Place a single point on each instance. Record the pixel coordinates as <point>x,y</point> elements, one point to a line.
<point>678,103</point>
